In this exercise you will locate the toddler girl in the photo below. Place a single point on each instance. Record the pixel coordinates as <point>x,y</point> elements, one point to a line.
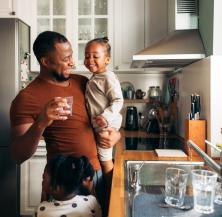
<point>104,98</point>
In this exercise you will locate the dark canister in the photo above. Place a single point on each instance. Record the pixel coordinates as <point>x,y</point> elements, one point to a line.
<point>131,118</point>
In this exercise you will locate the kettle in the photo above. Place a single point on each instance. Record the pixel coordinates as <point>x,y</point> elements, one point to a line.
<point>131,118</point>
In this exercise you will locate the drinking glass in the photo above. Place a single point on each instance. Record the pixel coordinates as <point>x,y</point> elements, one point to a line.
<point>175,186</point>
<point>204,183</point>
<point>218,193</point>
<point>69,100</point>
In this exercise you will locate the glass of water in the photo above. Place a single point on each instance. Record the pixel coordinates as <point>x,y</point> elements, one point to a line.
<point>204,183</point>
<point>218,192</point>
<point>175,186</point>
<point>69,100</point>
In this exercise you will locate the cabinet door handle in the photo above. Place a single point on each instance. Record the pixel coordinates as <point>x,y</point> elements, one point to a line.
<point>13,13</point>
<point>116,67</point>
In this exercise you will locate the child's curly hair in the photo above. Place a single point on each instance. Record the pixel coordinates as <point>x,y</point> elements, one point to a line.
<point>103,41</point>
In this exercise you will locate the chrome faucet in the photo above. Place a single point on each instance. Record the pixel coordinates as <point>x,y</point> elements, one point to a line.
<point>209,161</point>
<point>135,180</point>
<point>134,176</point>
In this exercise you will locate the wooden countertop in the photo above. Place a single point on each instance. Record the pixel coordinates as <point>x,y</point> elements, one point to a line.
<point>116,207</point>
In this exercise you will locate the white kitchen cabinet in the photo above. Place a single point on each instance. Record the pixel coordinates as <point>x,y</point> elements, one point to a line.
<point>129,34</point>
<point>93,22</point>
<point>49,15</point>
<point>79,20</point>
<point>130,25</point>
<point>31,181</point>
<point>16,9</point>
<point>137,24</point>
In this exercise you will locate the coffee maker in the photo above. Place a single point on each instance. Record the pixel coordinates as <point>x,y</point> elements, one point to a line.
<point>152,121</point>
<point>131,118</point>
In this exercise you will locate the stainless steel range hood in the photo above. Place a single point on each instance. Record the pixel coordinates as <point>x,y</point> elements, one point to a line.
<point>178,49</point>
<point>181,47</point>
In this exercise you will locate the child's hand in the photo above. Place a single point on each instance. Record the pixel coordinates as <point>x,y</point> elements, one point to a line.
<point>100,121</point>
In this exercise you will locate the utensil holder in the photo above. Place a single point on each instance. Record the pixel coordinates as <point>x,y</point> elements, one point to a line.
<point>195,130</point>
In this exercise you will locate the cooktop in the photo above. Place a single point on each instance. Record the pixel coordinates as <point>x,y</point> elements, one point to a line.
<point>148,144</point>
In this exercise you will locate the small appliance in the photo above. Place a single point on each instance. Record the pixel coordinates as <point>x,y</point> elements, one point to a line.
<point>131,118</point>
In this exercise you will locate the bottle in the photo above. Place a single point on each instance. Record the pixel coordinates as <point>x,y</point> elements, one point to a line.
<point>141,121</point>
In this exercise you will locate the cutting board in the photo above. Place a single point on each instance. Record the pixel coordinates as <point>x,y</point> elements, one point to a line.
<point>170,153</point>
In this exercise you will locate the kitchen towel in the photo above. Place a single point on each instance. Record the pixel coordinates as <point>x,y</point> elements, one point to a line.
<point>146,205</point>
<point>170,153</point>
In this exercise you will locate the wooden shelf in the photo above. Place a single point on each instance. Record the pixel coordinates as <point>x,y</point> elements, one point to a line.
<point>136,100</point>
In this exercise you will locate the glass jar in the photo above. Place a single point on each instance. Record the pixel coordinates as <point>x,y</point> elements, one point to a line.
<point>154,93</point>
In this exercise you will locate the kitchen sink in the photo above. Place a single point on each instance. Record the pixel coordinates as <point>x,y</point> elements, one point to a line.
<point>151,177</point>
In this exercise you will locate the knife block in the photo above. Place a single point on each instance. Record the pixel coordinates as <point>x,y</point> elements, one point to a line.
<point>195,130</point>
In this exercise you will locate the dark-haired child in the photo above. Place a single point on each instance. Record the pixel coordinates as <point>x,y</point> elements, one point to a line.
<point>70,181</point>
<point>104,98</point>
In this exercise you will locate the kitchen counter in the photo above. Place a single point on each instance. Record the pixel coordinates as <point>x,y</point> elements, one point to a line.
<point>116,207</point>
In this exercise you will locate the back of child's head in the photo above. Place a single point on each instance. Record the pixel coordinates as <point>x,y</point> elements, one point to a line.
<point>103,41</point>
<point>69,172</point>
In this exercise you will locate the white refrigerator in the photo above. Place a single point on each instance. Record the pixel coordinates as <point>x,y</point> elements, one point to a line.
<point>14,49</point>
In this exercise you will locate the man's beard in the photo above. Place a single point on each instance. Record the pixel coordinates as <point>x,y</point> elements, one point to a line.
<point>59,76</point>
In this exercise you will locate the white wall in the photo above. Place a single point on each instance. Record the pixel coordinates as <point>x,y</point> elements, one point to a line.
<point>217,28</point>
<point>194,79</point>
<point>155,8</point>
<point>216,98</point>
<point>203,77</point>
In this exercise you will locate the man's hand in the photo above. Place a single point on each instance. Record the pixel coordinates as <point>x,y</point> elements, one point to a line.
<point>56,109</point>
<point>108,140</point>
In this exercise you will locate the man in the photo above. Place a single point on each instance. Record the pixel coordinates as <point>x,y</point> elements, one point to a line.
<point>41,109</point>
